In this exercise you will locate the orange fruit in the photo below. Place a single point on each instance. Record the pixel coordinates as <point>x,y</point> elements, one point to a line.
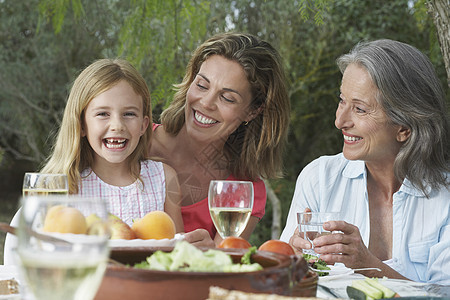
<point>277,246</point>
<point>234,242</point>
<point>65,219</point>
<point>154,225</point>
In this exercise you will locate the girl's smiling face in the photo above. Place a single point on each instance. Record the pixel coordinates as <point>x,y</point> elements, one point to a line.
<point>113,124</point>
<point>369,135</point>
<point>218,100</point>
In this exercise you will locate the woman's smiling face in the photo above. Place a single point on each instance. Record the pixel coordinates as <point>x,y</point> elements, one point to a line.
<point>368,133</point>
<point>218,100</point>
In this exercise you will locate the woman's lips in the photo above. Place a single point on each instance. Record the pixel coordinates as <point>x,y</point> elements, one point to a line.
<point>351,138</point>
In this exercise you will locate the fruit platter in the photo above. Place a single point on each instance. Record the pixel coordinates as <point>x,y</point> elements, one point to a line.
<point>276,274</point>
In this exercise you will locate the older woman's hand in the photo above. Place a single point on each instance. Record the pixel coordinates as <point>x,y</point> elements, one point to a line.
<point>346,247</point>
<point>199,237</point>
<point>298,243</point>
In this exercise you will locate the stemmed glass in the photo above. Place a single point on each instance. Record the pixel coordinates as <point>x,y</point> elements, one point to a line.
<point>62,246</point>
<point>230,205</point>
<point>34,184</point>
<point>45,184</point>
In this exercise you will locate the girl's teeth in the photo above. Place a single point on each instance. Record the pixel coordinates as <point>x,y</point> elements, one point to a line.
<point>203,119</point>
<point>351,138</point>
<point>115,143</point>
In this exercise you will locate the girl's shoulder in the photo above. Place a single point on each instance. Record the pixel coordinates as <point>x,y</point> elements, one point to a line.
<point>152,167</point>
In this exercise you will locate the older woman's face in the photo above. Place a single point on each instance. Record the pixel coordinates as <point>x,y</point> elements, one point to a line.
<point>368,133</point>
<point>218,100</point>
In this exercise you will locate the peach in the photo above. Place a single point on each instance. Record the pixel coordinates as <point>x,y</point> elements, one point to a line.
<point>64,219</point>
<point>154,225</point>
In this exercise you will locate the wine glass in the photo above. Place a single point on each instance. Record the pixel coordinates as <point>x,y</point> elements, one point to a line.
<point>45,184</point>
<point>230,205</point>
<point>62,246</point>
<point>311,226</point>
<point>34,184</point>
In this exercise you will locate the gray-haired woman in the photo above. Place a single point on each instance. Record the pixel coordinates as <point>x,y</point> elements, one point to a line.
<point>391,183</point>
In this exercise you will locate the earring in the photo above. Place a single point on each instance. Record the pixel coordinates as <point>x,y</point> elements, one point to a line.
<point>245,123</point>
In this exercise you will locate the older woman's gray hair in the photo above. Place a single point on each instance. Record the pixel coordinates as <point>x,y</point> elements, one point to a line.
<point>412,96</point>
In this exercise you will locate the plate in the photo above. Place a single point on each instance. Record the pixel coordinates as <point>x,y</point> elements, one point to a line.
<point>404,288</point>
<point>339,269</point>
<point>336,271</point>
<point>119,243</point>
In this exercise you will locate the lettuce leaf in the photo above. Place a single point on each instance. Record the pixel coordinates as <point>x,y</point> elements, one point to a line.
<point>186,257</point>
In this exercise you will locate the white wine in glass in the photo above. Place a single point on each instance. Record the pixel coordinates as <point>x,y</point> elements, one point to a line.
<point>57,265</point>
<point>230,205</point>
<point>45,184</point>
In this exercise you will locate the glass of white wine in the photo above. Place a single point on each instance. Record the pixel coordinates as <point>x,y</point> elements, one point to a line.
<point>311,226</point>
<point>62,246</point>
<point>45,184</point>
<point>230,205</point>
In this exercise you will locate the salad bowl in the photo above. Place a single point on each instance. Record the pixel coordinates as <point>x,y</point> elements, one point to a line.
<point>279,275</point>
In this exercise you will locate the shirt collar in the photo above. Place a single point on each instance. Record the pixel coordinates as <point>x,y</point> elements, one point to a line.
<point>356,168</point>
<point>408,188</point>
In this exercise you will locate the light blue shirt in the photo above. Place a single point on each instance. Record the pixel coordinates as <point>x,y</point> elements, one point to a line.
<point>421,225</point>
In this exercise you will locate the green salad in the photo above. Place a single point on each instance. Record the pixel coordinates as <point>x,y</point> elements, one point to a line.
<point>316,263</point>
<point>186,257</point>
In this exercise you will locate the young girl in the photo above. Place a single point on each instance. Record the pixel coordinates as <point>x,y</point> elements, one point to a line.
<point>103,140</point>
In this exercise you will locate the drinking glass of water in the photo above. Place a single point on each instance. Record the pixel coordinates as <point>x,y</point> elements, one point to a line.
<point>62,246</point>
<point>310,226</point>
<point>230,205</point>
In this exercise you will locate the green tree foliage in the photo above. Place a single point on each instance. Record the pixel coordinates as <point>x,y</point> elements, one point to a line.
<point>158,38</point>
<point>36,70</point>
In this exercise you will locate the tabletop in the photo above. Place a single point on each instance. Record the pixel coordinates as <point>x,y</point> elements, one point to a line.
<point>329,287</point>
<point>335,287</point>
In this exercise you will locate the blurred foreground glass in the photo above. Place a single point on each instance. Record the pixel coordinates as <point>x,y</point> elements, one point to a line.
<point>45,184</point>
<point>310,226</point>
<point>230,205</point>
<point>58,265</point>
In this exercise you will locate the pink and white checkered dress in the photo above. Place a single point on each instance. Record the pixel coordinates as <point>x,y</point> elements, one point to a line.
<point>133,201</point>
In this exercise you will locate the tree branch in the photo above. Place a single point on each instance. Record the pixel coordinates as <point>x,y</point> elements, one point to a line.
<point>276,211</point>
<point>439,9</point>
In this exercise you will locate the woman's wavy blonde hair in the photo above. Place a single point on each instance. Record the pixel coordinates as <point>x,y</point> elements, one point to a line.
<point>254,150</point>
<point>72,153</point>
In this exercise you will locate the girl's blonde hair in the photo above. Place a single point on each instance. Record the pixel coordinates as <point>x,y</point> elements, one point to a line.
<point>72,153</point>
<point>256,149</point>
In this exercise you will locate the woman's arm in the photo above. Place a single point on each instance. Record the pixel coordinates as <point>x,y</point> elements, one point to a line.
<point>173,197</point>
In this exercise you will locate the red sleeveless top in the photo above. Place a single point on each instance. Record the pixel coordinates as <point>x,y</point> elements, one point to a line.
<point>197,215</point>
